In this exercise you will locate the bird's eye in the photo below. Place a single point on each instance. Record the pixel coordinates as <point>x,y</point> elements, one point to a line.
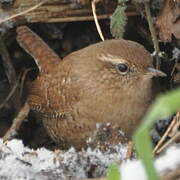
<point>123,68</point>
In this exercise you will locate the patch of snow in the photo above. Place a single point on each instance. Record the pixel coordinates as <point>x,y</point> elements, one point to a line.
<point>133,170</point>
<point>168,161</point>
<point>22,163</point>
<point>19,162</point>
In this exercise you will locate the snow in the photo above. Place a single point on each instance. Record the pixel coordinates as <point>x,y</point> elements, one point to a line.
<point>18,162</point>
<point>168,161</point>
<point>136,169</point>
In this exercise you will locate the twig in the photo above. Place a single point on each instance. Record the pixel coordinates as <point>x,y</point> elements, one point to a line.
<point>15,86</point>
<point>164,136</point>
<point>129,150</point>
<point>172,140</point>
<point>153,34</point>
<point>23,80</point>
<point>11,76</point>
<point>175,128</point>
<point>10,72</point>
<point>17,122</point>
<point>174,67</point>
<point>175,136</point>
<point>93,5</point>
<point>24,12</point>
<point>9,95</point>
<point>172,132</point>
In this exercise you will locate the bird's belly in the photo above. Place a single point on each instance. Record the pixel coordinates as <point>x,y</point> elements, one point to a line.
<point>81,124</point>
<point>67,131</point>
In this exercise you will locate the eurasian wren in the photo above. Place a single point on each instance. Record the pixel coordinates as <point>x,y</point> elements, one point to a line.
<point>107,82</point>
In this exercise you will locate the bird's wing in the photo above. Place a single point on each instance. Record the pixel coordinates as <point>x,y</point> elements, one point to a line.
<point>54,93</point>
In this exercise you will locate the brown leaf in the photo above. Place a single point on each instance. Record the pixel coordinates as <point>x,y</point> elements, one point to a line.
<point>176,76</point>
<point>168,22</point>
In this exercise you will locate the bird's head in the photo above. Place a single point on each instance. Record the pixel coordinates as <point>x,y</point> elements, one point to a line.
<point>116,64</point>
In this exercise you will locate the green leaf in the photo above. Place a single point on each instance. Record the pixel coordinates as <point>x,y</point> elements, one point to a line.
<point>113,172</point>
<point>118,22</point>
<point>164,106</point>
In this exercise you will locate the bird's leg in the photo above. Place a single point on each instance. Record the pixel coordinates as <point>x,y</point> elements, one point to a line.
<point>17,122</point>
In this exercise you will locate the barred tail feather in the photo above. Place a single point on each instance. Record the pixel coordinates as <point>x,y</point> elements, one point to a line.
<point>44,57</point>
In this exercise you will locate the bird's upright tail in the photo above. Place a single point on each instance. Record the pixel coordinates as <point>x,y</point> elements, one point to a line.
<point>44,57</point>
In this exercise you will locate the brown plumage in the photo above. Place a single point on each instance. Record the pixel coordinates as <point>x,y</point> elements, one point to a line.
<point>107,82</point>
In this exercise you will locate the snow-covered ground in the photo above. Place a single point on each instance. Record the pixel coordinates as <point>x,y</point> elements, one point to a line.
<point>168,161</point>
<point>18,163</point>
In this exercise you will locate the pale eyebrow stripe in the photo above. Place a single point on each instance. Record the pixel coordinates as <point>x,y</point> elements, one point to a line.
<point>112,59</point>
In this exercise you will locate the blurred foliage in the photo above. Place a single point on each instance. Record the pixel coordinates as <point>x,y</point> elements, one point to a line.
<point>113,172</point>
<point>164,106</point>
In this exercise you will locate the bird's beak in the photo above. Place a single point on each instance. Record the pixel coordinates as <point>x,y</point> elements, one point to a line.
<point>156,72</point>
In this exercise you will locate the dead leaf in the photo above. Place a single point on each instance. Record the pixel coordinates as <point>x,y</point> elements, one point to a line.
<point>168,22</point>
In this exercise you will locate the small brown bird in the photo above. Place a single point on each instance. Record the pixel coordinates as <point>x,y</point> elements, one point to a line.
<point>107,82</point>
